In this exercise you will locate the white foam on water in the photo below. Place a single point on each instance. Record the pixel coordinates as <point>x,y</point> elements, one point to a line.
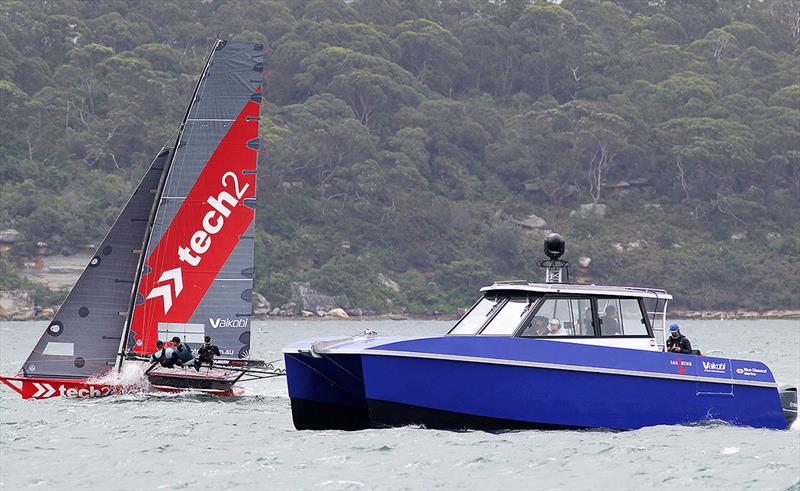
<point>729,450</point>
<point>130,379</point>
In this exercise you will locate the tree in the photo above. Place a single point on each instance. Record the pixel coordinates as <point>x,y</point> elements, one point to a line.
<point>428,51</point>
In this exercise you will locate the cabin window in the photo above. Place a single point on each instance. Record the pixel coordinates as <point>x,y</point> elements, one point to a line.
<point>509,317</point>
<point>633,322</point>
<point>475,318</point>
<point>621,316</point>
<point>561,317</point>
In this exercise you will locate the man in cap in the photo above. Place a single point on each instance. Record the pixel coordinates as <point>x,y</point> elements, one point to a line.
<point>554,328</point>
<point>206,354</point>
<point>677,342</point>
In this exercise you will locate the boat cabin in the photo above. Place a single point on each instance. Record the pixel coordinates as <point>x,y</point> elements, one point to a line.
<point>624,317</point>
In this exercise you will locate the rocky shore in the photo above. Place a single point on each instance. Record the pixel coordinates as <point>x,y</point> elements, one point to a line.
<point>21,306</point>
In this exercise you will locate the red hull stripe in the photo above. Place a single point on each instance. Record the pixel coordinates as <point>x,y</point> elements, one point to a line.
<point>201,236</point>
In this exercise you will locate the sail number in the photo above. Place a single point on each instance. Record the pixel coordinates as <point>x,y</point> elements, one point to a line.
<point>214,219</point>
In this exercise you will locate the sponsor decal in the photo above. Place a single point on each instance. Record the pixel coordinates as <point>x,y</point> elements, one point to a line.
<point>680,364</point>
<point>234,323</point>
<point>714,367</point>
<point>751,372</point>
<point>90,391</point>
<point>43,390</point>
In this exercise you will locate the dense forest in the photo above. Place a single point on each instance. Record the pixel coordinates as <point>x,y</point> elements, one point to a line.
<point>412,140</point>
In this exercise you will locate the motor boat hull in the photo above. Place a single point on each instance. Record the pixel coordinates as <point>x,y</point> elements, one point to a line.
<point>500,383</point>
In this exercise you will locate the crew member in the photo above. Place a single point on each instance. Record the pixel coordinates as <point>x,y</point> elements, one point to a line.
<point>609,324</point>
<point>554,328</point>
<point>182,351</point>
<point>206,354</point>
<point>166,357</point>
<point>677,342</point>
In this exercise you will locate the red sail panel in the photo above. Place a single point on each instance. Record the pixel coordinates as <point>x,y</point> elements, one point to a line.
<point>202,235</point>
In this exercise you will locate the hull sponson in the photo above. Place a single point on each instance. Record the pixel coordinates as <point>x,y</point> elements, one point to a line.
<point>561,397</point>
<point>315,415</point>
<point>326,392</point>
<point>383,413</point>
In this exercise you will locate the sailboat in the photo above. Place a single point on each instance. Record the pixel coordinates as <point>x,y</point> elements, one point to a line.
<point>177,262</point>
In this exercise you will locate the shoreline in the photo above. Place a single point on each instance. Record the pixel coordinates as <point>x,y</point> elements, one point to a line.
<point>784,314</point>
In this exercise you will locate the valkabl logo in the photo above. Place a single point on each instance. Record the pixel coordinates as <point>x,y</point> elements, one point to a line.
<point>234,323</point>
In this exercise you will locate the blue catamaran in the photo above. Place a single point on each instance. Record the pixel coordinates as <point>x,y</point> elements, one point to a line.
<point>533,355</point>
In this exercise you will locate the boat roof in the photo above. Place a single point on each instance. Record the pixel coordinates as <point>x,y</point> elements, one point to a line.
<point>569,288</point>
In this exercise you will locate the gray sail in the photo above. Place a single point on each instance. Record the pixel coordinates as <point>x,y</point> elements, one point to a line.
<point>84,336</point>
<point>198,273</point>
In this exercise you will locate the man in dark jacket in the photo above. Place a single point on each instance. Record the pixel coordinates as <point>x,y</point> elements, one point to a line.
<point>206,354</point>
<point>183,352</point>
<point>677,342</point>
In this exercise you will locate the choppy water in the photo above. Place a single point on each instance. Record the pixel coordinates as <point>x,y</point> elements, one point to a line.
<point>159,441</point>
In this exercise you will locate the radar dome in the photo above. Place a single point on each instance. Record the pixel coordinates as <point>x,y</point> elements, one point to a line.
<point>554,246</point>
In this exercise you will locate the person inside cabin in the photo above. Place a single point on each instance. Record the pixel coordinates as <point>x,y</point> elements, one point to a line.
<point>166,357</point>
<point>537,327</point>
<point>609,326</point>
<point>182,351</point>
<point>585,324</point>
<point>206,354</point>
<point>554,328</point>
<point>677,342</point>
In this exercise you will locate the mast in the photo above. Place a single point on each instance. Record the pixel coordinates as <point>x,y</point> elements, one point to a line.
<point>154,209</point>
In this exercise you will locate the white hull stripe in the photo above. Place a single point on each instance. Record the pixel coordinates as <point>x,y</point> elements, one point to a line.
<point>536,364</point>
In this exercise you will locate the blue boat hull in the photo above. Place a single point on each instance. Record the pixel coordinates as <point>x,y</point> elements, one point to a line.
<point>505,383</point>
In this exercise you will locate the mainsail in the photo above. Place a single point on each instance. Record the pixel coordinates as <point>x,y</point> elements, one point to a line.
<point>197,276</point>
<point>84,337</point>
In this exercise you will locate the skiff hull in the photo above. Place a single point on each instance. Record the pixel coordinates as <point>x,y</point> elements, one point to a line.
<point>46,388</point>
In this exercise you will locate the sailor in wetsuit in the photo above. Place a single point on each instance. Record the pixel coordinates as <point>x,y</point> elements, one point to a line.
<point>206,354</point>
<point>182,351</point>
<point>166,357</point>
<point>677,342</point>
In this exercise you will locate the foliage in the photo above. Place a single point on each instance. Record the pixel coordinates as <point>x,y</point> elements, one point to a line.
<point>420,133</point>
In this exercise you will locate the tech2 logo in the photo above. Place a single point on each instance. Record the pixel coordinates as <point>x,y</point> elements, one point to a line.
<point>200,242</point>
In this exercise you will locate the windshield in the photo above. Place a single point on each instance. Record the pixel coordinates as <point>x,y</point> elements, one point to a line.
<point>472,322</point>
<point>509,317</point>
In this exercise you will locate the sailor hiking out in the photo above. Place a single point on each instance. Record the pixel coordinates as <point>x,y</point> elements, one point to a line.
<point>206,354</point>
<point>183,352</point>
<point>166,357</point>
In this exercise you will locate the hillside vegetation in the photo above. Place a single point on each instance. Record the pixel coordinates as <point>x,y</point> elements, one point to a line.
<point>420,133</point>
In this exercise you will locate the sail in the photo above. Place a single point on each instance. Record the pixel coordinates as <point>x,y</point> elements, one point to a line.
<point>84,337</point>
<point>197,277</point>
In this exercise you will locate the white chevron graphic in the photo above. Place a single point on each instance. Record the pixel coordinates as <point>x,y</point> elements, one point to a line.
<point>43,390</point>
<point>165,290</point>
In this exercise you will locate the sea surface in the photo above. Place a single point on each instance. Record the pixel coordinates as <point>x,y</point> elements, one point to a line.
<point>161,441</point>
